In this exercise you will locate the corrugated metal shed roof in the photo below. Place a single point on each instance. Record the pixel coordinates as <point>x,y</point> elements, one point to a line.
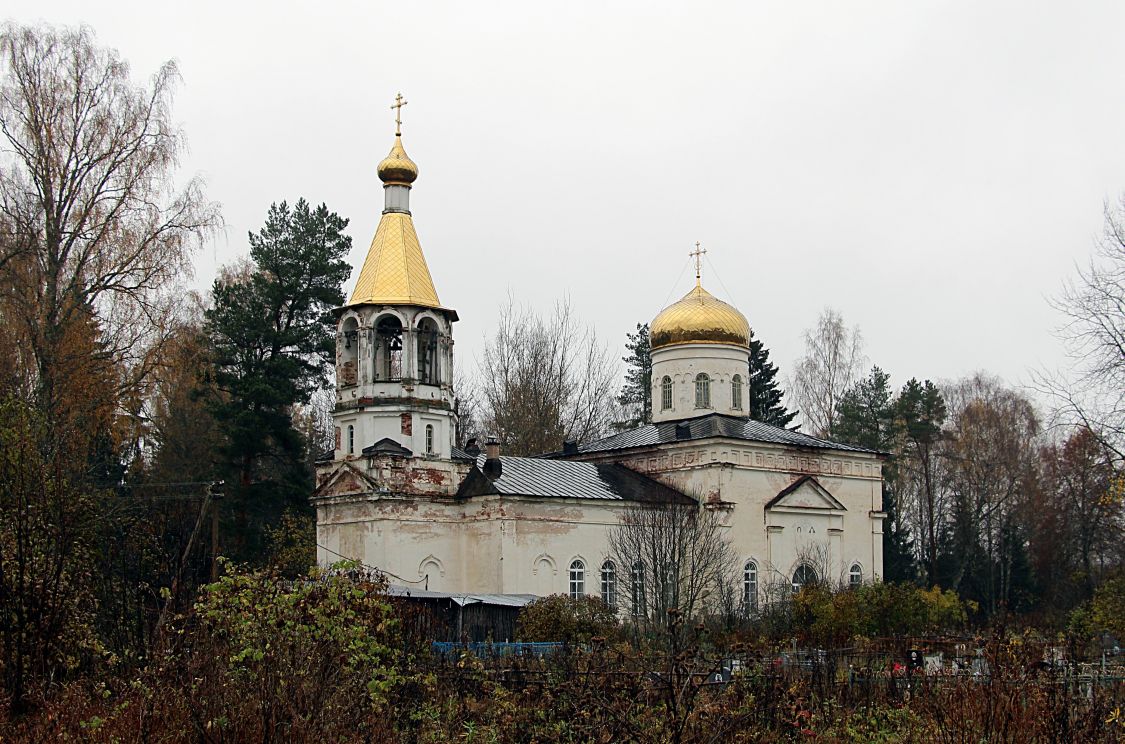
<point>712,425</point>
<point>534,476</point>
<point>503,600</point>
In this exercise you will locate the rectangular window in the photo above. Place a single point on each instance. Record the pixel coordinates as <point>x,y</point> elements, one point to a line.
<point>609,584</point>
<point>637,590</point>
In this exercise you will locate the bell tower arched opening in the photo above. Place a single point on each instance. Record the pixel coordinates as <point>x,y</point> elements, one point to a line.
<point>388,348</point>
<point>429,372</point>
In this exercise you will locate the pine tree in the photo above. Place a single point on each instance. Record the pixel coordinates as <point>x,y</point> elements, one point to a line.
<point>866,418</point>
<point>272,339</point>
<point>636,393</point>
<point>866,414</point>
<point>920,412</point>
<point>764,396</point>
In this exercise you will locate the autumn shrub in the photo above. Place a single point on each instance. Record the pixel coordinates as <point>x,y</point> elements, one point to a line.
<point>268,656</point>
<point>562,619</point>
<point>824,617</point>
<point>1107,608</point>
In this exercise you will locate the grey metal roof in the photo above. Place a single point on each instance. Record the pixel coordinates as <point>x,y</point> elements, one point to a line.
<point>534,476</point>
<point>711,425</point>
<point>460,454</point>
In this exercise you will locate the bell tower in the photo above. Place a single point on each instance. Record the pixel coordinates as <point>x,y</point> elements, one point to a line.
<point>394,340</point>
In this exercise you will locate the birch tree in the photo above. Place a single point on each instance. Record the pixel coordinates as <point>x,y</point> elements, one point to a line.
<point>832,363</point>
<point>95,229</point>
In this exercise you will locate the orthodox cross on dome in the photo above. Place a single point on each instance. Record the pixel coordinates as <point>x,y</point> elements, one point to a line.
<point>397,106</point>
<point>698,254</point>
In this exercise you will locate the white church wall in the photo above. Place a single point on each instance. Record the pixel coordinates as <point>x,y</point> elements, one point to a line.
<point>489,544</point>
<point>748,475</point>
<point>521,545</point>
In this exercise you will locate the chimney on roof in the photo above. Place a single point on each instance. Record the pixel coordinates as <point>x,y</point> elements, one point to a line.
<point>570,447</point>
<point>683,430</point>
<point>492,467</point>
<point>471,447</point>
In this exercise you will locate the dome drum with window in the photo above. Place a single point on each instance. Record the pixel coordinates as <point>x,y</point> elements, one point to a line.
<point>700,358</point>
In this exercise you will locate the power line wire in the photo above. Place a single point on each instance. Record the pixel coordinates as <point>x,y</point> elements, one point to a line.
<point>372,568</point>
<point>676,283</point>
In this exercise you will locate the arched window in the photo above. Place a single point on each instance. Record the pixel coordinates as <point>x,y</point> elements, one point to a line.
<point>429,439</point>
<point>428,352</point>
<point>702,391</point>
<point>855,575</point>
<point>609,584</point>
<point>577,579</point>
<point>351,439</point>
<point>637,589</point>
<point>803,576</point>
<point>666,393</point>
<point>750,586</point>
<point>736,392</point>
<point>388,349</point>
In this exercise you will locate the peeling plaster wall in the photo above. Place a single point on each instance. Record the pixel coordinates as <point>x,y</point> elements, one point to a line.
<point>524,545</point>
<point>487,544</point>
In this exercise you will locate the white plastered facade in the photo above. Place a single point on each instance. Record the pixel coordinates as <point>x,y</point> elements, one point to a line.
<point>521,545</point>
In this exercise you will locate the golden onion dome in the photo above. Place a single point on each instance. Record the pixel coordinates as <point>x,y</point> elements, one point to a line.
<point>699,318</point>
<point>397,167</point>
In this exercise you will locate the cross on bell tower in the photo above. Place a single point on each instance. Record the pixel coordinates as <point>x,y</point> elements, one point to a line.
<point>397,106</point>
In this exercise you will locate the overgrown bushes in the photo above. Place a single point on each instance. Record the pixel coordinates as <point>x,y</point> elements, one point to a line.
<point>560,619</point>
<point>326,658</point>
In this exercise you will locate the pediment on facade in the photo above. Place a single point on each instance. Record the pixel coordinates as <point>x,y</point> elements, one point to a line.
<point>805,493</point>
<point>346,480</point>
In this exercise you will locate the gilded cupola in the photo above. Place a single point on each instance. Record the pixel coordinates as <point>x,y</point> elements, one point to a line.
<point>699,318</point>
<point>397,168</point>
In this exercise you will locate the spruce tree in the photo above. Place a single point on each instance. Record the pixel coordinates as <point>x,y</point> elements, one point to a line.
<point>764,397</point>
<point>272,340</point>
<point>636,393</point>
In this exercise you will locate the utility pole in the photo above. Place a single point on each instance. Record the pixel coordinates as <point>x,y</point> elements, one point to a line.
<point>216,496</point>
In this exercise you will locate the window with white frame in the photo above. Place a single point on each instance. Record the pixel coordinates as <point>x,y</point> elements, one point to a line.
<point>609,583</point>
<point>429,439</point>
<point>666,393</point>
<point>855,575</point>
<point>577,579</point>
<point>750,586</point>
<point>736,392</point>
<point>351,439</point>
<point>803,576</point>
<point>702,390</point>
<point>637,589</point>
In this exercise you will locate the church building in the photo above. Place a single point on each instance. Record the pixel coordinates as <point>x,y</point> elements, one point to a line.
<point>397,493</point>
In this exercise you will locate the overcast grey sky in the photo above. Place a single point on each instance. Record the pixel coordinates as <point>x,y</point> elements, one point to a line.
<point>931,170</point>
